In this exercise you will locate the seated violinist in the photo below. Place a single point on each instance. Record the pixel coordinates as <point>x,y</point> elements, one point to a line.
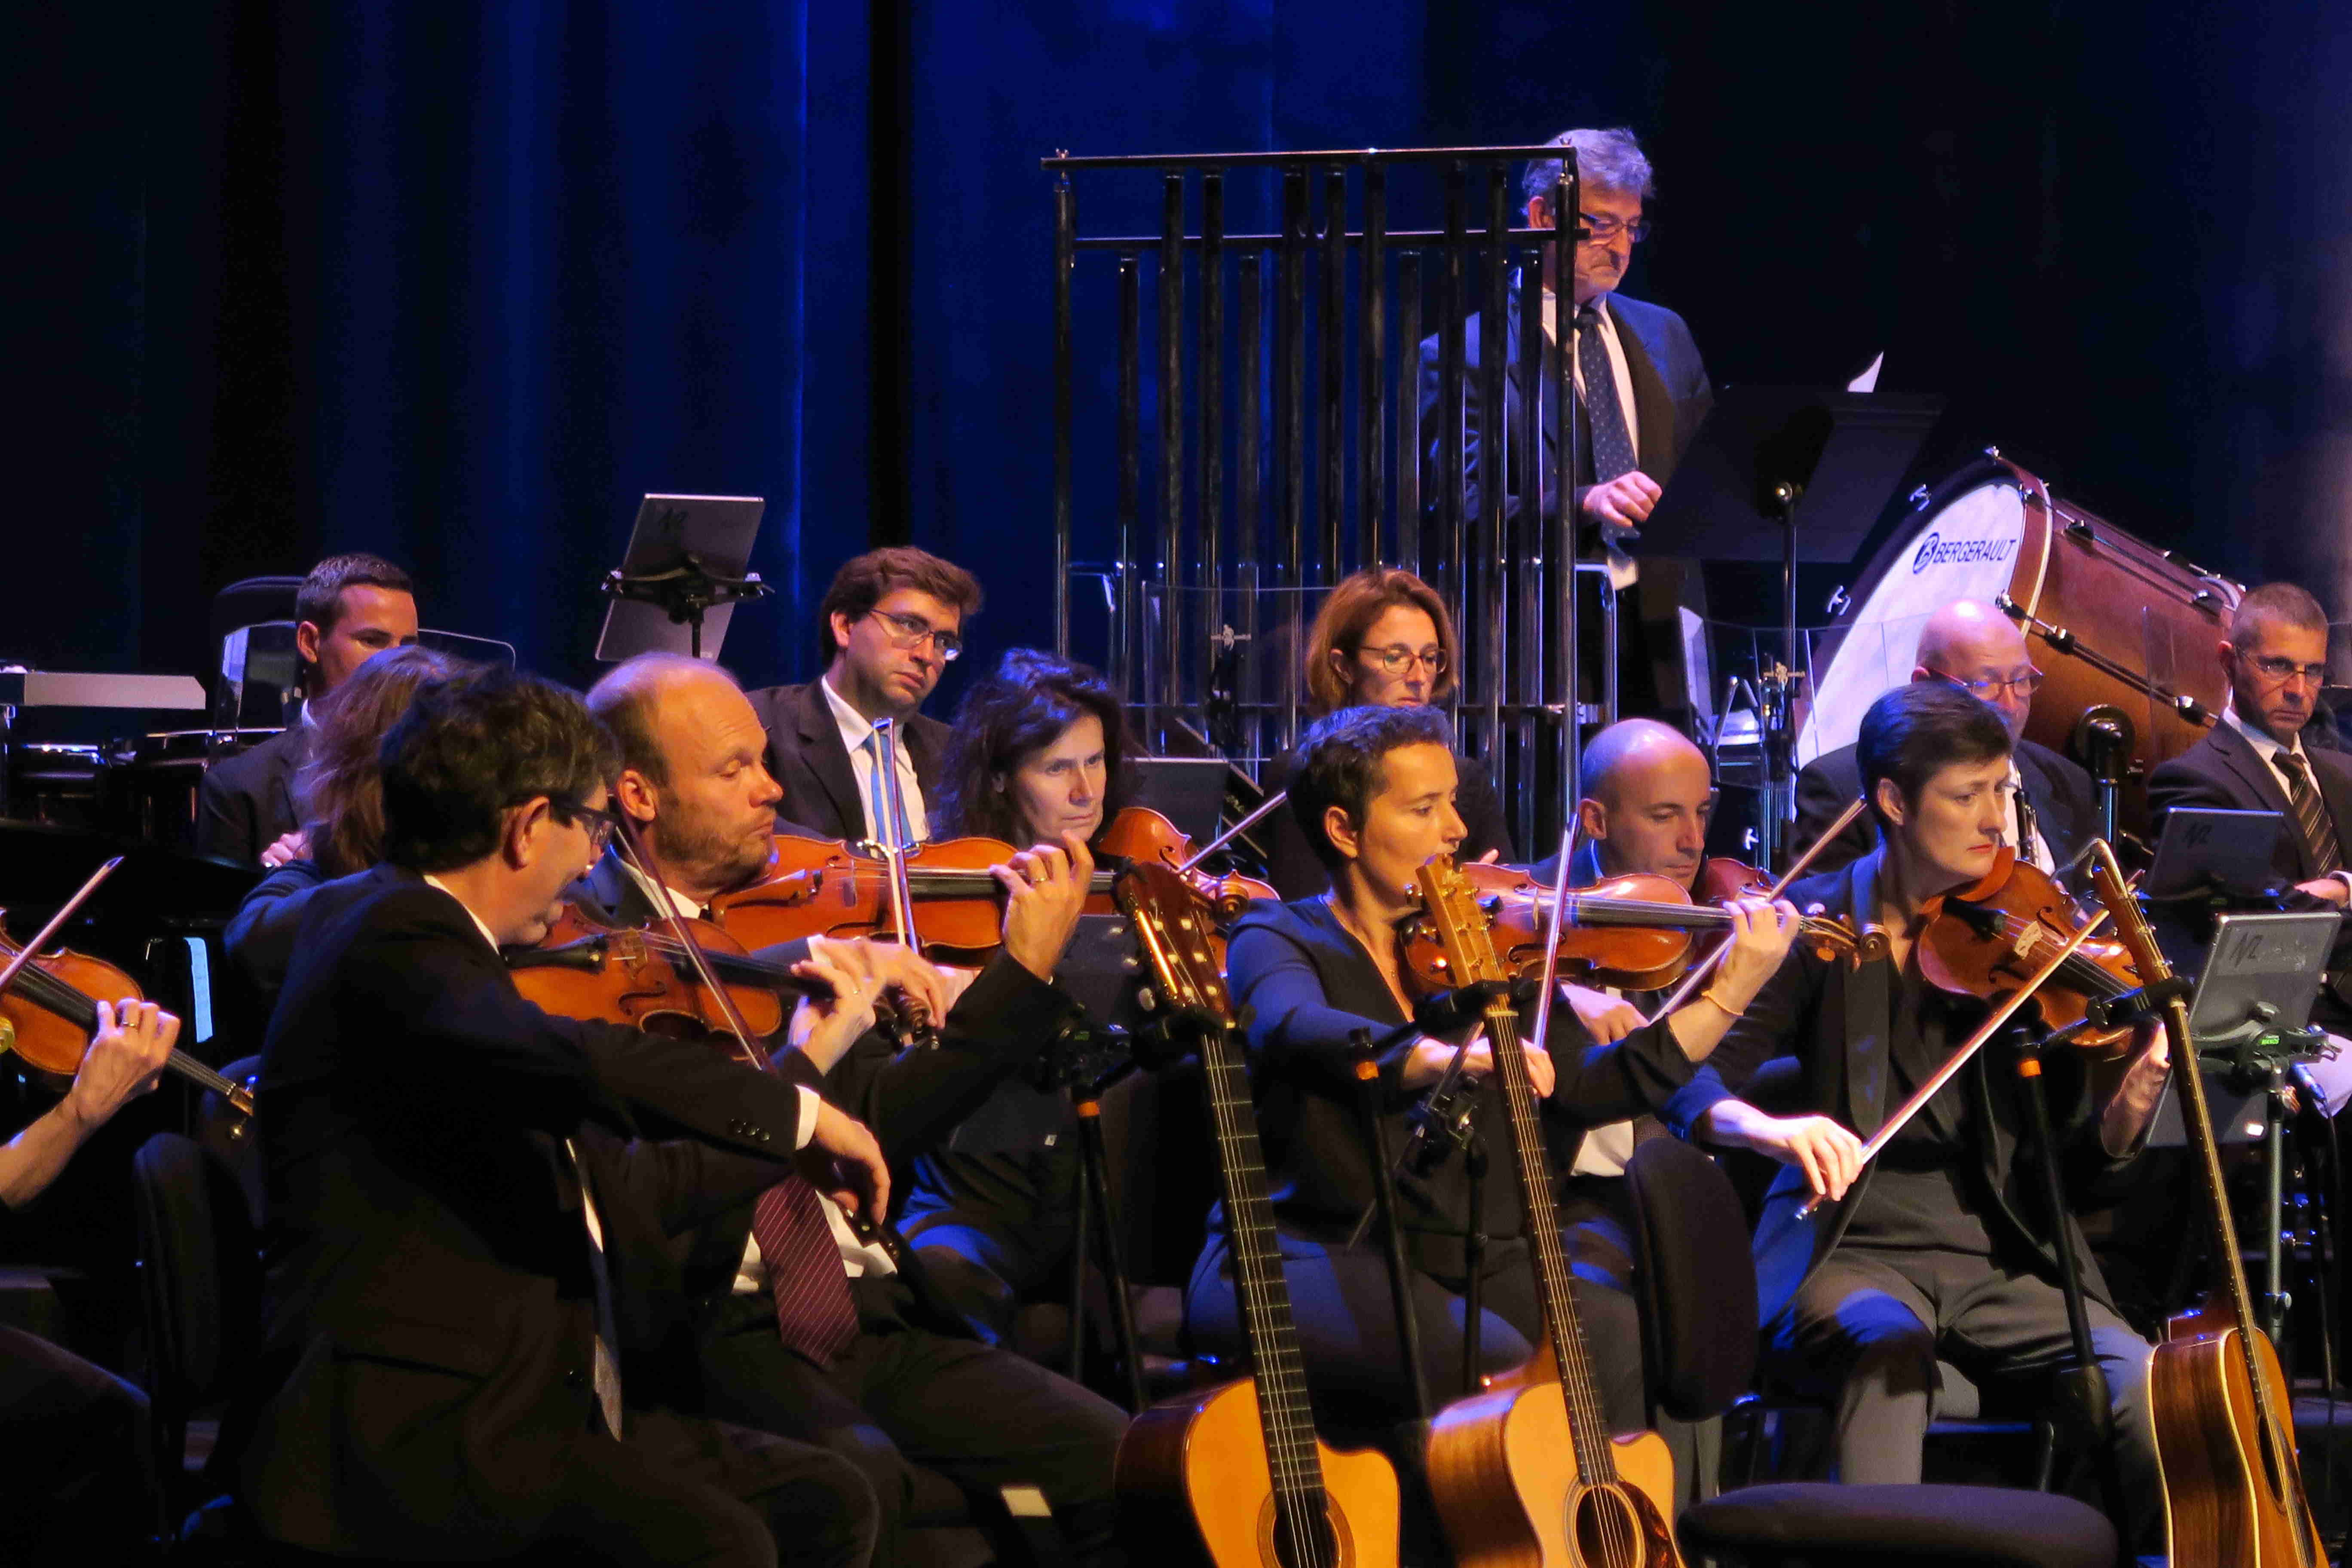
<point>80,1489</point>
<point>1375,795</point>
<point>1937,1248</point>
<point>905,1384</point>
<point>1039,749</point>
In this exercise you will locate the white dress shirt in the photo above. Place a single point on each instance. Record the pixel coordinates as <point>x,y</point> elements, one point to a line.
<point>2031,846</point>
<point>855,726</point>
<point>2268,747</point>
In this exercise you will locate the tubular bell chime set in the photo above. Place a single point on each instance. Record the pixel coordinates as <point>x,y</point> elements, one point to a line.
<point>1206,613</point>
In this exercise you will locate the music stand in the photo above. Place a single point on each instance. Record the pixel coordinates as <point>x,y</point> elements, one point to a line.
<point>684,570</point>
<point>1763,450</point>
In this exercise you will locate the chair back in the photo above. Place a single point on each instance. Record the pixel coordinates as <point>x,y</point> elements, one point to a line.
<point>1155,1129</point>
<point>1694,1280</point>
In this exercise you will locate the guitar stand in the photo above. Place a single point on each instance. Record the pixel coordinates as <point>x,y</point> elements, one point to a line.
<point>1376,1146</point>
<point>1093,1200</point>
<point>1473,1259</point>
<point>2082,1402</point>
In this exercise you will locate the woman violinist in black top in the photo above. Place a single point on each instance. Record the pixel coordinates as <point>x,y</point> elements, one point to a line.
<point>1375,795</point>
<point>1040,747</point>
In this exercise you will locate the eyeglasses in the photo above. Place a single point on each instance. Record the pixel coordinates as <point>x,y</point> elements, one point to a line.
<point>2024,685</point>
<point>2279,671</point>
<point>1399,658</point>
<point>601,824</point>
<point>1601,227</point>
<point>908,633</point>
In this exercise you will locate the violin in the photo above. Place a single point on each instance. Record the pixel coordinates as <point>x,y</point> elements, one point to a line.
<point>1992,937</point>
<point>825,888</point>
<point>581,969</point>
<point>1637,933</point>
<point>48,1018</point>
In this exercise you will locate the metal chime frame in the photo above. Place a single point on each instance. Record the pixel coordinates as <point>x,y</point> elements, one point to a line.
<point>1499,570</point>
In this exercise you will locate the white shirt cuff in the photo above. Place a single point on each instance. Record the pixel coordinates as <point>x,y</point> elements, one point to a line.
<point>810,1101</point>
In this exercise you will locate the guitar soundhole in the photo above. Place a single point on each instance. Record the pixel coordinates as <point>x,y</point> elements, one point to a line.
<point>1321,1543</point>
<point>1610,1528</point>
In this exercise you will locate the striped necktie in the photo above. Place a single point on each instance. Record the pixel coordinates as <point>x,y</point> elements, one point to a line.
<point>2321,850</point>
<point>815,1315</point>
<point>879,796</point>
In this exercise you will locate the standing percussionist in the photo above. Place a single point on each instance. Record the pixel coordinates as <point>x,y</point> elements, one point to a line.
<point>349,607</point>
<point>1641,394</point>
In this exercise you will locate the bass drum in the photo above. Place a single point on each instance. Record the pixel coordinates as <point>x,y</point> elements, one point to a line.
<point>1995,532</point>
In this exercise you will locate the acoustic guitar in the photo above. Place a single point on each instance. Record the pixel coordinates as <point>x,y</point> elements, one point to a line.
<point>1237,1473</point>
<point>1526,1474</point>
<point>2234,1492</point>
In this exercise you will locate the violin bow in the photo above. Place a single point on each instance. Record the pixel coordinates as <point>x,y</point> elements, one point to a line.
<point>1994,1023</point>
<point>894,851</point>
<point>625,835</point>
<point>1706,966</point>
<point>1540,1040</point>
<point>1263,810</point>
<point>56,923</point>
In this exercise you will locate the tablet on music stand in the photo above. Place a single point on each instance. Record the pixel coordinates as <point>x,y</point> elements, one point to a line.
<point>2260,977</point>
<point>2204,850</point>
<point>678,585</point>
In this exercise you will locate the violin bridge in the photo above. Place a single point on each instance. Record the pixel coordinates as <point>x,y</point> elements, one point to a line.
<point>2027,937</point>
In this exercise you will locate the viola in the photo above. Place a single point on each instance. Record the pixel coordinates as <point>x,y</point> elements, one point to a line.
<point>582,969</point>
<point>1992,937</point>
<point>1638,933</point>
<point>825,888</point>
<point>48,1018</point>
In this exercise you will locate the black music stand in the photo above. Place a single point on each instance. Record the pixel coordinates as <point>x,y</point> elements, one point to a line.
<point>1762,451</point>
<point>685,560</point>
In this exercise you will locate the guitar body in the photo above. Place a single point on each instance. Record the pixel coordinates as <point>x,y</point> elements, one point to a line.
<point>1194,1484</point>
<point>1503,1465</point>
<point>2222,1509</point>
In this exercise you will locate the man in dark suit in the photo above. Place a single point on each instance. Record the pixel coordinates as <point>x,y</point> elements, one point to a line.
<point>910,1390</point>
<point>441,1371</point>
<point>1970,644</point>
<point>1642,394</point>
<point>1938,1248</point>
<point>348,607</point>
<point>2255,759</point>
<point>892,621</point>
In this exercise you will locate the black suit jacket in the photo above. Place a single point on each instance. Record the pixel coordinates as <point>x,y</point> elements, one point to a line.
<point>246,803</point>
<point>1672,396</point>
<point>2065,805</point>
<point>1297,872</point>
<point>1305,984</point>
<point>805,755</point>
<point>1832,1017</point>
<point>2223,770</point>
<point>424,1383</point>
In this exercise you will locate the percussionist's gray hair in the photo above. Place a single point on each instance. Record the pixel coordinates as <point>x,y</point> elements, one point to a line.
<point>1611,159</point>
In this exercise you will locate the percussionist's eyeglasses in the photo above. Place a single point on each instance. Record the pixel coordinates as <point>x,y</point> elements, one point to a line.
<point>2024,685</point>
<point>1602,227</point>
<point>2279,671</point>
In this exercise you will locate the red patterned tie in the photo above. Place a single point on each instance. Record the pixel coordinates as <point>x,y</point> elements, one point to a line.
<point>814,1314</point>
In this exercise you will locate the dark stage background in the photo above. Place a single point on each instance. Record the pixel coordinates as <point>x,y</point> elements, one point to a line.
<point>456,283</point>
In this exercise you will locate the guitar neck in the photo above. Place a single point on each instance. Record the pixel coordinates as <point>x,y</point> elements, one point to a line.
<point>1588,1423</point>
<point>1280,1377</point>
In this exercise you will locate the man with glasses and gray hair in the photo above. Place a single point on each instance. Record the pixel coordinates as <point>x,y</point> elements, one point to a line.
<point>1970,644</point>
<point>889,626</point>
<point>1642,392</point>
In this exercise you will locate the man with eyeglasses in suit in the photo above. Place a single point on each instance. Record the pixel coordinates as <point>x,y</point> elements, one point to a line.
<point>1642,393</point>
<point>1970,644</point>
<point>890,625</point>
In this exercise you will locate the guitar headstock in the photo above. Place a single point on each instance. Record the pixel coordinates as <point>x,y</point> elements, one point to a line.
<point>1463,926</point>
<point>1172,928</point>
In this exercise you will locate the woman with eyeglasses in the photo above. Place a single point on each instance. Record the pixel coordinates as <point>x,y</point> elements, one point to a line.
<point>1382,639</point>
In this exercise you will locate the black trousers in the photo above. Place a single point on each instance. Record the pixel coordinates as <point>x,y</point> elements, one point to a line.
<point>983,1269</point>
<point>903,1397</point>
<point>77,1487</point>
